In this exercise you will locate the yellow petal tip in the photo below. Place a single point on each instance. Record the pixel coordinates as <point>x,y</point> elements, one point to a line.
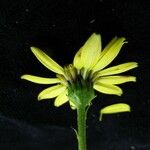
<point>22,77</point>
<point>137,64</point>
<point>134,79</point>
<point>119,94</point>
<point>39,98</point>
<point>25,76</point>
<point>33,48</point>
<point>56,105</point>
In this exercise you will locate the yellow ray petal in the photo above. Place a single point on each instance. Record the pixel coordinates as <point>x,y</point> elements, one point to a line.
<point>89,53</point>
<point>118,69</point>
<point>61,99</point>
<point>108,54</point>
<point>108,89</point>
<point>115,108</point>
<point>40,80</point>
<point>108,46</point>
<point>115,79</point>
<point>77,62</point>
<point>47,61</point>
<point>51,92</point>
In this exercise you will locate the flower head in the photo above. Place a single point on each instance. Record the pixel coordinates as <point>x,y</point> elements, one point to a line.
<point>87,73</point>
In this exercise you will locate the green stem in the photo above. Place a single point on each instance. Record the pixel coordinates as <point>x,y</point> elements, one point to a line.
<point>81,119</point>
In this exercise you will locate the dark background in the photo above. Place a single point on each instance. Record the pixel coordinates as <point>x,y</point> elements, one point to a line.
<point>60,28</point>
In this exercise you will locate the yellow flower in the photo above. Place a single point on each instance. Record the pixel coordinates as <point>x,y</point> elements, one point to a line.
<point>88,69</point>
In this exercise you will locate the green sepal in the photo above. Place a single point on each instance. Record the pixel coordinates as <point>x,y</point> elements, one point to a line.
<point>81,93</point>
